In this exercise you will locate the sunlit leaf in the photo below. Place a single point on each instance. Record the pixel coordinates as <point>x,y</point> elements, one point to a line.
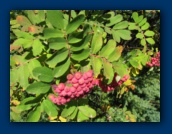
<point>97,65</point>
<point>81,56</point>
<point>115,19</point>
<point>116,54</point>
<point>38,88</point>
<point>96,43</point>
<point>108,48</point>
<point>34,115</point>
<point>61,69</point>
<point>43,73</point>
<point>55,17</point>
<point>87,111</point>
<point>59,57</point>
<point>74,24</point>
<point>150,41</point>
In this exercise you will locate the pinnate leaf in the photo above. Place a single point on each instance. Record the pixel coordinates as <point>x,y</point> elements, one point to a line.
<point>43,73</point>
<point>38,88</point>
<point>74,24</point>
<point>34,115</point>
<point>55,17</point>
<point>96,43</point>
<point>97,65</point>
<point>61,69</point>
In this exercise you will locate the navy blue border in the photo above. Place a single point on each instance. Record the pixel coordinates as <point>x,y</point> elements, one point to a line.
<point>166,54</point>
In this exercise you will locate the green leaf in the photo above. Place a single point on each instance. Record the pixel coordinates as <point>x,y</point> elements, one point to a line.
<point>23,75</point>
<point>145,26</point>
<point>73,13</point>
<point>121,25</point>
<point>59,57</point>
<point>81,56</point>
<point>22,108</point>
<point>21,34</point>
<point>108,70</point>
<point>26,43</point>
<point>22,20</point>
<point>81,117</point>
<point>132,26</point>
<point>150,41</point>
<point>38,88</point>
<point>74,24</point>
<point>134,63</point>
<point>115,55</point>
<point>108,49</point>
<point>58,43</point>
<point>108,30</point>
<point>37,47</point>
<point>43,73</point>
<point>116,36</point>
<point>35,18</point>
<point>135,16</point>
<point>52,33</point>
<point>97,65</point>
<point>61,69</point>
<point>96,43</point>
<point>149,33</point>
<point>139,35</point>
<point>55,17</point>
<point>87,111</point>
<point>35,115</point>
<point>68,111</point>
<point>13,77</point>
<point>124,34</point>
<point>82,44</point>
<point>143,42</point>
<point>75,37</point>
<point>31,65</point>
<point>49,108</point>
<point>115,19</point>
<point>120,68</point>
<point>73,115</point>
<point>143,22</point>
<point>140,18</point>
<point>15,116</point>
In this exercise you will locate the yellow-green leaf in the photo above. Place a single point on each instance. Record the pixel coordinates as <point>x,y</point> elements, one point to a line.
<point>97,65</point>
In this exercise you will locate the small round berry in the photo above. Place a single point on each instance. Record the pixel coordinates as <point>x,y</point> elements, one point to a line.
<point>69,76</point>
<point>81,81</point>
<point>78,75</point>
<point>61,86</point>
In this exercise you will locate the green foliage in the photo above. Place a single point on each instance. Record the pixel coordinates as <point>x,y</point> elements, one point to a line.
<point>46,45</point>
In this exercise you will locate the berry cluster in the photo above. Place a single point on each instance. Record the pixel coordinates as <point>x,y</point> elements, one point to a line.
<point>155,61</point>
<point>77,85</point>
<point>113,84</point>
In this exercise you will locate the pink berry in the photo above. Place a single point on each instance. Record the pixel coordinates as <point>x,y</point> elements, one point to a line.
<point>75,85</point>
<point>69,76</point>
<point>85,76</point>
<point>61,86</point>
<point>74,80</point>
<point>81,81</point>
<point>72,89</point>
<point>78,75</point>
<point>89,73</point>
